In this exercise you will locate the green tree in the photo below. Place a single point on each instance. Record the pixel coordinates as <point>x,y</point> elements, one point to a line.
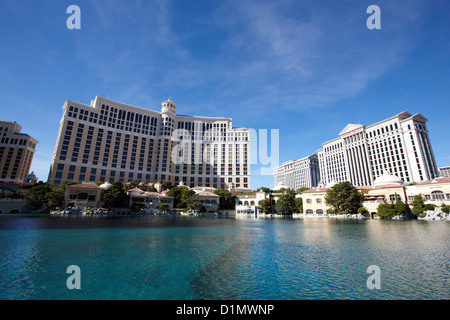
<point>190,200</point>
<point>286,204</point>
<point>299,204</point>
<point>164,207</point>
<point>177,193</point>
<point>264,206</point>
<point>226,200</point>
<point>386,210</point>
<point>116,195</point>
<point>363,211</point>
<point>344,198</point>
<point>137,206</point>
<point>445,208</point>
<point>6,194</point>
<point>264,189</point>
<point>166,185</point>
<point>45,196</point>
<point>402,208</point>
<point>418,205</point>
<point>283,190</point>
<point>133,184</point>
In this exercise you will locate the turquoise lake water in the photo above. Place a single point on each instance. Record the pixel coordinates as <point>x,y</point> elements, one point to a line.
<point>175,257</point>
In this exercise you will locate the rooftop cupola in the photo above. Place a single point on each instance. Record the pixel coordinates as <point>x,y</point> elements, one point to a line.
<point>168,106</point>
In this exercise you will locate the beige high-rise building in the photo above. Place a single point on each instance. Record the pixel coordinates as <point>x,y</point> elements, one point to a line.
<point>112,141</point>
<point>399,145</point>
<point>16,152</point>
<point>296,174</point>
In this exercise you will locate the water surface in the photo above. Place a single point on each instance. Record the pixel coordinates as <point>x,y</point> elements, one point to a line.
<point>175,257</point>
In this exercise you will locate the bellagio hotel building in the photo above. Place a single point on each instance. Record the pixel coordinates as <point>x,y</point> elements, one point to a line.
<point>112,141</point>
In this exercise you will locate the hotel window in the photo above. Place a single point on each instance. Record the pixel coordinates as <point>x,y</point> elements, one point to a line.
<point>437,195</point>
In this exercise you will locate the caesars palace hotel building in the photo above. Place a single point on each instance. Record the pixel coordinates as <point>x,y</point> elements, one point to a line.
<point>112,141</point>
<point>399,146</point>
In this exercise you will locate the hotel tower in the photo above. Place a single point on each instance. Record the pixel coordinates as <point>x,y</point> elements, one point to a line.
<point>16,153</point>
<point>300,173</point>
<point>399,146</point>
<point>112,141</point>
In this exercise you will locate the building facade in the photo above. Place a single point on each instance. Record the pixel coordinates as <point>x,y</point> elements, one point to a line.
<point>399,145</point>
<point>112,141</point>
<point>444,172</point>
<point>386,189</point>
<point>16,153</point>
<point>83,195</point>
<point>151,200</point>
<point>300,173</point>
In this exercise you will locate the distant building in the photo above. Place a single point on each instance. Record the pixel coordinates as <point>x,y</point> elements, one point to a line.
<point>209,198</point>
<point>246,203</point>
<point>112,141</point>
<point>16,153</point>
<point>444,172</point>
<point>151,200</point>
<point>83,195</point>
<point>296,174</point>
<point>399,145</point>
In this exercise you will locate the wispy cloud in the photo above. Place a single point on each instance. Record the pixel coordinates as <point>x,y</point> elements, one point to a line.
<point>306,54</point>
<point>316,53</point>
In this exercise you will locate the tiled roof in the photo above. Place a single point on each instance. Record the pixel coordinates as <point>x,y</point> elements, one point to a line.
<point>435,180</point>
<point>313,190</point>
<point>207,194</point>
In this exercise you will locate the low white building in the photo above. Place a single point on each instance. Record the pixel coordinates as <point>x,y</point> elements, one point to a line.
<point>152,200</point>
<point>209,198</point>
<point>436,191</point>
<point>246,203</point>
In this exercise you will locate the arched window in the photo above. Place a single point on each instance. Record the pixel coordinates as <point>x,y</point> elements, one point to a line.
<point>319,211</point>
<point>213,202</point>
<point>437,195</point>
<point>309,211</point>
<point>330,211</point>
<point>245,203</point>
<point>252,203</point>
<point>240,203</point>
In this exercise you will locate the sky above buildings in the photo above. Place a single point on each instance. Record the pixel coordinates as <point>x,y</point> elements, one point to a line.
<point>305,68</point>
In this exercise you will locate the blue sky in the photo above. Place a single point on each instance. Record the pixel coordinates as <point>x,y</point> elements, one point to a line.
<point>307,68</point>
